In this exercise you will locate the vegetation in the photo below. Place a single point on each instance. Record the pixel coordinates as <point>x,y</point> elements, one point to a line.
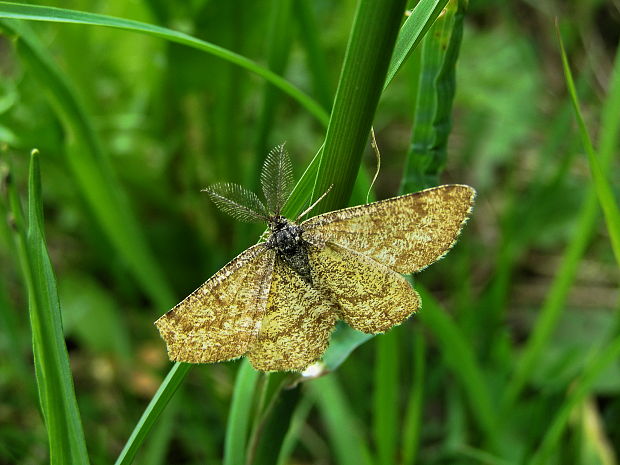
<point>134,107</point>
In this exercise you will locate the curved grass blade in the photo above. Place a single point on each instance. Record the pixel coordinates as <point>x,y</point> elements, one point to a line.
<point>92,171</point>
<point>309,35</point>
<point>601,184</point>
<point>584,231</point>
<point>53,373</point>
<point>411,33</point>
<point>61,15</point>
<point>279,43</point>
<point>344,434</point>
<point>156,406</point>
<point>459,355</point>
<point>601,360</point>
<point>344,340</point>
<point>237,201</point>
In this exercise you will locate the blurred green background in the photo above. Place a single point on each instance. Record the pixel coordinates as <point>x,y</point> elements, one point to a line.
<point>505,363</point>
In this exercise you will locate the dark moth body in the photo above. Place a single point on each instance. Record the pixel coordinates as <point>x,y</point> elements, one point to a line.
<point>286,239</point>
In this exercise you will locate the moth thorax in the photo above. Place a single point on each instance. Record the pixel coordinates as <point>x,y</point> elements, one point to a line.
<point>285,237</point>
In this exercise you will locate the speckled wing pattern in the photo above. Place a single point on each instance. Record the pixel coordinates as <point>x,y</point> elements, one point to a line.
<point>221,319</point>
<point>296,326</point>
<point>405,233</point>
<point>372,298</point>
<point>258,306</point>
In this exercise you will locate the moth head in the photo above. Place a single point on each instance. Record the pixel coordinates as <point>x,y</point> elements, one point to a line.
<point>277,223</point>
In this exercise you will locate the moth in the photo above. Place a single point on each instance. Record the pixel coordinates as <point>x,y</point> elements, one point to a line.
<point>278,301</point>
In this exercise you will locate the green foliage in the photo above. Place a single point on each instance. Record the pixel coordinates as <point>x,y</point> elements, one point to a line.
<point>53,374</point>
<point>512,359</point>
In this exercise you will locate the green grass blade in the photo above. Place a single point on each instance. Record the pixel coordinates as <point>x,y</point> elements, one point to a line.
<point>155,449</point>
<point>555,299</point>
<point>564,277</point>
<point>385,397</point>
<point>156,406</point>
<point>55,385</point>
<point>432,121</point>
<point>344,434</point>
<point>459,355</point>
<point>412,426</point>
<point>603,358</point>
<point>292,435</point>
<point>411,33</point>
<point>309,35</point>
<point>239,417</point>
<point>92,171</point>
<point>278,51</point>
<point>344,340</point>
<point>440,48</point>
<point>603,189</point>
<point>409,37</point>
<point>61,15</point>
<point>371,42</point>
<point>275,422</point>
<point>610,118</point>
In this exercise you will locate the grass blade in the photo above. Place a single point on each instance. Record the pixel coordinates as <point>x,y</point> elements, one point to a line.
<point>385,397</point>
<point>459,355</point>
<point>239,417</point>
<point>413,418</point>
<point>339,420</point>
<point>309,35</point>
<point>344,340</point>
<point>601,184</point>
<point>436,87</point>
<point>279,47</point>
<point>156,406</point>
<point>554,302</point>
<point>361,82</point>
<point>603,358</point>
<point>297,421</point>
<point>61,15</point>
<point>93,174</point>
<point>553,305</point>
<point>55,384</point>
<point>411,33</point>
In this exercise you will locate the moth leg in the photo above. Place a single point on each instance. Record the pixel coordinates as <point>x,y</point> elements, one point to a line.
<point>372,297</point>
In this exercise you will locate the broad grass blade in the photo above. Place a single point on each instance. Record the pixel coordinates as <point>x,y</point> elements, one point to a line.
<point>59,406</point>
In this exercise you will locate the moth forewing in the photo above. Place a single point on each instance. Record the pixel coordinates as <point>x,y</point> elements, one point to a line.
<point>221,319</point>
<point>405,233</point>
